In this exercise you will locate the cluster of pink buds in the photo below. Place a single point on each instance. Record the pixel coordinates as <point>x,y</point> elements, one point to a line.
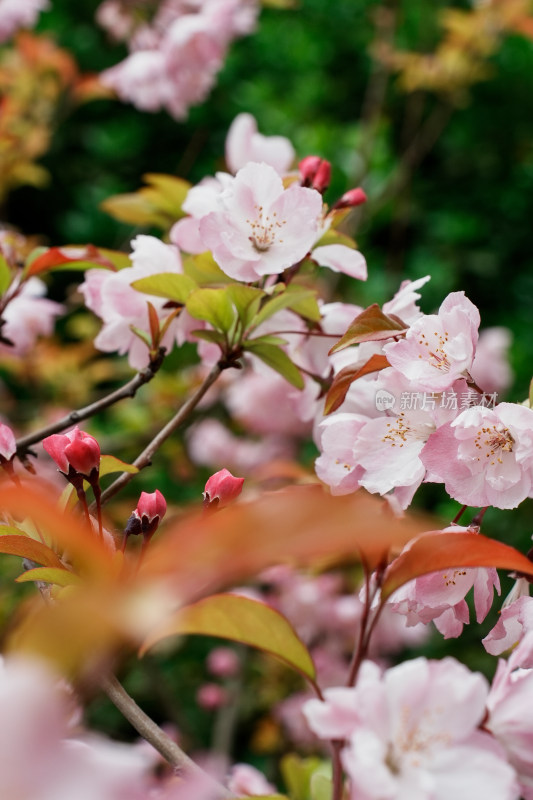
<point>315,173</point>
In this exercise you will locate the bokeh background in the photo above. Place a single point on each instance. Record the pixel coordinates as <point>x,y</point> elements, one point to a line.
<point>426,105</point>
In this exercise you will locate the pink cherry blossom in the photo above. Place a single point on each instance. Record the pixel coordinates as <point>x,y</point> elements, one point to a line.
<point>491,369</point>
<point>15,14</point>
<point>245,780</point>
<point>515,620</point>
<point>201,200</point>
<point>340,258</point>
<point>337,465</point>
<point>511,694</point>
<point>175,59</point>
<point>440,596</point>
<point>223,662</point>
<point>26,316</point>
<point>439,348</point>
<point>485,456</point>
<point>413,732</point>
<point>244,143</point>
<point>211,444</point>
<point>111,296</point>
<point>261,228</point>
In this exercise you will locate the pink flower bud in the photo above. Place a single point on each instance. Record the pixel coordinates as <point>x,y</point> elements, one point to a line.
<point>8,445</point>
<point>221,489</point>
<point>322,178</point>
<point>308,167</point>
<point>315,172</point>
<point>211,696</point>
<point>150,510</point>
<point>350,199</point>
<point>223,662</point>
<point>76,449</point>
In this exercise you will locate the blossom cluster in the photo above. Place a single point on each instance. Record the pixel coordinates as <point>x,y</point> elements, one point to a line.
<point>176,55</point>
<point>433,729</point>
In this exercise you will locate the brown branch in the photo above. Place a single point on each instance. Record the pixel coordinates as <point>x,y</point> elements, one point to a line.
<point>144,459</point>
<point>128,390</point>
<point>153,734</point>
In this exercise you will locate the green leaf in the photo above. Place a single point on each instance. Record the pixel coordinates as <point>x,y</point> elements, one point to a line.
<point>167,192</point>
<point>281,4</point>
<point>321,785</point>
<point>298,298</point>
<point>167,284</point>
<point>267,339</point>
<point>297,774</point>
<point>213,306</point>
<point>135,209</point>
<point>60,577</point>
<point>246,300</point>
<point>5,274</point>
<point>277,359</point>
<point>240,619</point>
<point>11,530</point>
<point>371,325</point>
<point>332,236</point>
<point>25,547</point>
<point>215,337</point>
<point>344,379</point>
<point>143,336</point>
<point>205,271</point>
<point>110,464</point>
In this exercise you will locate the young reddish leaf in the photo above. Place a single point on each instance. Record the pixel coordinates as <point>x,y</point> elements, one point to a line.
<point>371,325</point>
<point>58,256</point>
<point>25,547</point>
<point>435,550</point>
<point>200,554</point>
<point>344,379</point>
<point>153,319</point>
<point>59,577</point>
<point>239,619</point>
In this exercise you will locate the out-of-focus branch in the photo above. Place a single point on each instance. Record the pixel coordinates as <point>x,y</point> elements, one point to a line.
<point>153,734</point>
<point>128,390</point>
<point>144,459</point>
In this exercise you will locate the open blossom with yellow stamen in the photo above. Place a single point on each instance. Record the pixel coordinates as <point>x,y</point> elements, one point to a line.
<point>485,456</point>
<point>439,348</point>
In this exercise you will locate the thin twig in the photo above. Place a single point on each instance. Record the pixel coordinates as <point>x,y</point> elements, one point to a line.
<point>128,390</point>
<point>144,459</point>
<point>153,734</point>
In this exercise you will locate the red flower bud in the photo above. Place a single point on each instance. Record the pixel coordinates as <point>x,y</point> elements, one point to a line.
<point>355,197</point>
<point>308,167</point>
<point>221,489</point>
<point>76,449</point>
<point>322,177</point>
<point>8,445</point>
<point>150,510</point>
<point>315,172</point>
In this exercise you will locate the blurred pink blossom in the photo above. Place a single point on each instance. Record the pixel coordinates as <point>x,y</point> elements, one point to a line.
<point>26,316</point>
<point>15,14</point>
<point>244,143</point>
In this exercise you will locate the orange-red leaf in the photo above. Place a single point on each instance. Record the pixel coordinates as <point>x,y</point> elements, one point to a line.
<point>201,554</point>
<point>240,619</point>
<point>56,256</point>
<point>371,325</point>
<point>25,547</point>
<point>436,550</point>
<point>344,379</point>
